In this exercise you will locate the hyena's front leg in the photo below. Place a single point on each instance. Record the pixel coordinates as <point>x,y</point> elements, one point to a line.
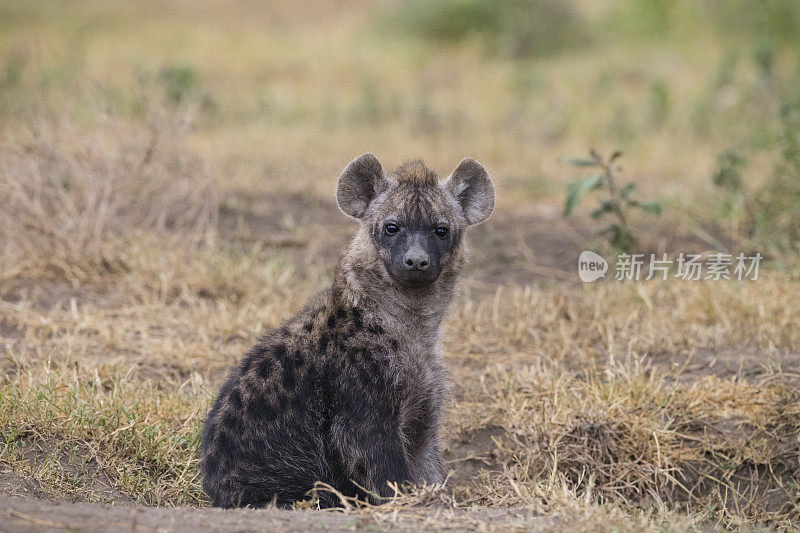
<point>367,437</point>
<point>427,468</point>
<point>422,431</point>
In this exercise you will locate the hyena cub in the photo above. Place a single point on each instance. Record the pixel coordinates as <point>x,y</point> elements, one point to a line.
<point>350,390</point>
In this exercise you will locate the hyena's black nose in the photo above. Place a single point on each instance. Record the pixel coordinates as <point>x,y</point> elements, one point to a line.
<point>416,259</point>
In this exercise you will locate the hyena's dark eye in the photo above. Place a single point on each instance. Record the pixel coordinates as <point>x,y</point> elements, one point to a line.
<point>442,232</point>
<point>391,228</point>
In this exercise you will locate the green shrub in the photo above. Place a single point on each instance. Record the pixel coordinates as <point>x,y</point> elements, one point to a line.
<point>735,21</point>
<point>179,82</point>
<point>516,28</point>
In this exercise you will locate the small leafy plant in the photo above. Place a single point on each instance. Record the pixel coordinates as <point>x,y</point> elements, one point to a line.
<point>617,203</point>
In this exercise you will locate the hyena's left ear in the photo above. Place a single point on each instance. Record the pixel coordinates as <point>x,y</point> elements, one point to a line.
<point>361,181</point>
<point>472,187</point>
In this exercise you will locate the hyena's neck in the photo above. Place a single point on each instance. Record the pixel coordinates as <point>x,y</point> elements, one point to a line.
<point>410,316</point>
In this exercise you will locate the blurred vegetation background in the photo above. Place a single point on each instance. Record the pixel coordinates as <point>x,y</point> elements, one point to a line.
<point>703,97</point>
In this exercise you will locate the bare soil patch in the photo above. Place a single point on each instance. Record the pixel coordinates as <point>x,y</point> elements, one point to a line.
<point>526,244</point>
<point>19,514</point>
<point>517,247</point>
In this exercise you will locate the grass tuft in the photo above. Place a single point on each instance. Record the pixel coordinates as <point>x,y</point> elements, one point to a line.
<point>85,437</point>
<point>76,196</point>
<point>626,435</point>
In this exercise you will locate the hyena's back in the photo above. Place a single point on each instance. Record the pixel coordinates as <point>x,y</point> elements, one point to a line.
<point>265,435</point>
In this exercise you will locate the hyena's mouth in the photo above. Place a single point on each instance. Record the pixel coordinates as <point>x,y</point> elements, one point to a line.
<point>414,279</point>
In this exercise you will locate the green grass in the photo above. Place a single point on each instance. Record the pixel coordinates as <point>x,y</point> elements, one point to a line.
<point>88,438</point>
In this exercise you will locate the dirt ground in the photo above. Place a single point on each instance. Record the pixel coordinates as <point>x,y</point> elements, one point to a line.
<point>526,243</point>
<point>20,514</point>
<point>23,509</point>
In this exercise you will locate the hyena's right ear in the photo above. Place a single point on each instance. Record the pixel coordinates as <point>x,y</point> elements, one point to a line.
<point>472,187</point>
<point>361,181</point>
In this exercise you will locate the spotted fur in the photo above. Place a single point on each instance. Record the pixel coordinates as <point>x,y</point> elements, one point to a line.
<point>350,390</point>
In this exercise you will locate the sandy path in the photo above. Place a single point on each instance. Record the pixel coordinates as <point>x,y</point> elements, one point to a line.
<point>23,514</point>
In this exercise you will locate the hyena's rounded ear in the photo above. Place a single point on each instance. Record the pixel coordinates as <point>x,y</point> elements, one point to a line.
<point>361,181</point>
<point>472,187</point>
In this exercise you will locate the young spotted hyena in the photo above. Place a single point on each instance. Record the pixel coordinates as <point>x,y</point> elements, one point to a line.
<point>350,391</point>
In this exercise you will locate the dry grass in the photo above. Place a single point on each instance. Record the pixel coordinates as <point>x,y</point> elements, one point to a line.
<point>584,427</point>
<point>74,197</point>
<point>108,375</point>
<point>722,449</point>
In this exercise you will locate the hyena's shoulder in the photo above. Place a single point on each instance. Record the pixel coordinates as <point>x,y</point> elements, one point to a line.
<point>327,342</point>
<point>275,374</point>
